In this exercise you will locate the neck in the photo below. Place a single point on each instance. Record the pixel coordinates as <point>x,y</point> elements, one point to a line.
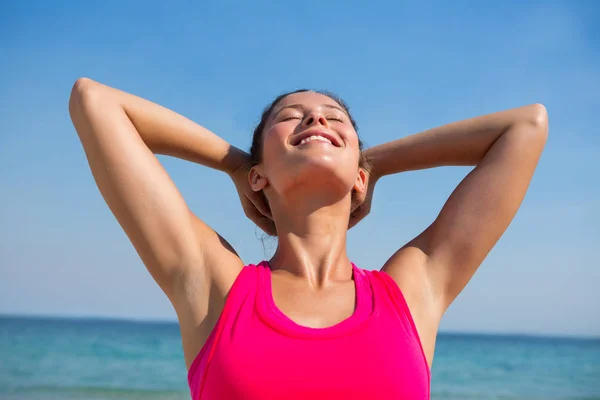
<point>312,240</point>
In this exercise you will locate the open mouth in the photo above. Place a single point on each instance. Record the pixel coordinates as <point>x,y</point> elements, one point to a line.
<point>315,137</point>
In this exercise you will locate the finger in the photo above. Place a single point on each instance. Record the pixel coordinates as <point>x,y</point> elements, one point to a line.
<point>268,227</point>
<point>354,221</point>
<point>263,222</point>
<point>259,201</point>
<point>357,201</point>
<point>355,217</point>
<point>361,212</point>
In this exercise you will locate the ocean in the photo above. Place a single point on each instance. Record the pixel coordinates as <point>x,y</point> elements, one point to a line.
<point>53,358</point>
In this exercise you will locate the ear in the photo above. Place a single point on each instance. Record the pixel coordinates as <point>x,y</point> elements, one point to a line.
<point>256,179</point>
<point>362,180</point>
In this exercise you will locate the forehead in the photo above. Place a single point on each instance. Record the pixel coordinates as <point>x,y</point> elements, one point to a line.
<point>309,99</point>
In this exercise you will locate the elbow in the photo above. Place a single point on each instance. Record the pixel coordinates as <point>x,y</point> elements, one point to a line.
<point>81,88</point>
<point>537,117</point>
<point>82,84</point>
<point>83,93</point>
<point>532,124</point>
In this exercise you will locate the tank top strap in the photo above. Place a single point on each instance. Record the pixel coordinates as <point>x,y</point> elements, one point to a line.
<point>243,286</point>
<point>390,296</point>
<point>365,294</point>
<point>388,292</point>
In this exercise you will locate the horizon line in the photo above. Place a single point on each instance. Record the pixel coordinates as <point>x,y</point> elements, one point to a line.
<point>175,322</point>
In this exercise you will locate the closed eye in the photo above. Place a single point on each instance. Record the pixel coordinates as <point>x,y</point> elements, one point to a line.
<point>330,118</point>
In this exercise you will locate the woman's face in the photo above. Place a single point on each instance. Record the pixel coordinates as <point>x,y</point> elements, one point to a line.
<point>308,142</point>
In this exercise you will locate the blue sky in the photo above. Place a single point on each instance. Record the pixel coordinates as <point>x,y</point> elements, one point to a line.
<point>403,68</point>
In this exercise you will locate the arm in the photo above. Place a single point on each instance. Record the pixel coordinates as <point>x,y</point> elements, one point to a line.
<point>119,133</point>
<point>505,148</point>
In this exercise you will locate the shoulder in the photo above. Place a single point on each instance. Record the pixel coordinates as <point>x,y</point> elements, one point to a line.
<point>199,313</point>
<point>407,273</point>
<point>224,282</point>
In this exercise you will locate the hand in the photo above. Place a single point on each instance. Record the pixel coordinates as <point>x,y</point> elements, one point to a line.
<point>361,204</point>
<point>254,203</point>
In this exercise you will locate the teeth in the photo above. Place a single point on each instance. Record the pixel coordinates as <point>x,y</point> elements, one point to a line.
<point>315,137</point>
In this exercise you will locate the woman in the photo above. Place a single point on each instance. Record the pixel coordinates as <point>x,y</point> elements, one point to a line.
<point>308,323</point>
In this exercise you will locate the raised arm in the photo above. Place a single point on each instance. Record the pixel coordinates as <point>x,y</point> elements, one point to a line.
<point>505,148</point>
<point>120,134</point>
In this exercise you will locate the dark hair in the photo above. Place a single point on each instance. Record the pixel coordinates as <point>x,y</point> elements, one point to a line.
<point>257,138</point>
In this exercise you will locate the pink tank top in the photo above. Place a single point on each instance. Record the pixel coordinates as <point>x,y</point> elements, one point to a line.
<point>256,352</point>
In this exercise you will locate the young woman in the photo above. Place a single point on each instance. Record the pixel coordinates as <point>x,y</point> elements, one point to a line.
<point>308,323</point>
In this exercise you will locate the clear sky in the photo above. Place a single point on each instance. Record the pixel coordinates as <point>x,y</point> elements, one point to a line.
<point>403,68</point>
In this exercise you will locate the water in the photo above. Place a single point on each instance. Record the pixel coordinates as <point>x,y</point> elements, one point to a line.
<point>51,359</point>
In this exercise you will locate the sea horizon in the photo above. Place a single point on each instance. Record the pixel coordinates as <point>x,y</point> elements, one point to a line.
<point>159,321</point>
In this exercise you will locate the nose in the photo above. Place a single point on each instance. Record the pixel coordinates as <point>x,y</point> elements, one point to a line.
<point>315,118</point>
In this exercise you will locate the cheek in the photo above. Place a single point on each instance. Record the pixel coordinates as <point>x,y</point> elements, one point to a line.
<point>353,142</point>
<point>273,148</point>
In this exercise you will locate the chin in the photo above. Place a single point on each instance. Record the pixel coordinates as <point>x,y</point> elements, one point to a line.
<point>323,173</point>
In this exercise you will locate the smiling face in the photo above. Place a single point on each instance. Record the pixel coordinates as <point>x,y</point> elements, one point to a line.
<point>309,144</point>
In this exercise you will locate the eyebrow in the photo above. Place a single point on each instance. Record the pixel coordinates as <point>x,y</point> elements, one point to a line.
<point>299,106</point>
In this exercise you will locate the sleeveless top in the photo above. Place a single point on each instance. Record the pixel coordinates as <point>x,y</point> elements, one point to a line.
<point>257,352</point>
